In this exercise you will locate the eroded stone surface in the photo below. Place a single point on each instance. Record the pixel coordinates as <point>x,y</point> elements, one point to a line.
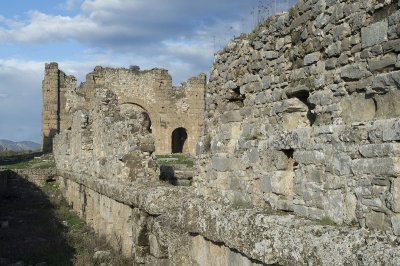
<point>300,117</point>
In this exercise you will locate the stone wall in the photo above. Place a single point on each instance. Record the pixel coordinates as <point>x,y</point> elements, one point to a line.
<point>301,116</point>
<point>304,115</point>
<point>160,224</point>
<point>107,142</point>
<point>106,171</point>
<point>55,117</point>
<point>151,91</point>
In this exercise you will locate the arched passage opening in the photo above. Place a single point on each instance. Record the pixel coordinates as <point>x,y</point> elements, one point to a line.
<point>125,107</point>
<point>179,137</point>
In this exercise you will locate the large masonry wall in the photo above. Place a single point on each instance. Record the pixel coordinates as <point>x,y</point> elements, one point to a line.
<point>304,115</point>
<point>159,224</point>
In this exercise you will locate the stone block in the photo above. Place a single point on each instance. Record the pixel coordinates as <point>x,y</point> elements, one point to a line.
<point>383,62</point>
<point>312,58</point>
<point>322,20</point>
<point>374,34</point>
<point>292,105</point>
<point>231,116</point>
<point>387,105</point>
<point>395,195</point>
<point>199,148</point>
<point>291,121</point>
<point>334,49</point>
<point>253,156</point>
<point>309,157</point>
<point>391,130</point>
<point>270,55</point>
<point>341,31</point>
<point>281,183</point>
<point>349,208</point>
<point>376,203</point>
<point>357,108</point>
<point>293,91</point>
<point>300,210</point>
<point>266,184</point>
<point>333,205</point>
<point>360,85</point>
<point>385,82</point>
<point>315,213</point>
<point>285,205</point>
<point>380,150</point>
<point>377,166</point>
<point>376,220</point>
<point>333,181</point>
<point>391,46</point>
<point>354,72</point>
<point>396,224</point>
<point>221,164</point>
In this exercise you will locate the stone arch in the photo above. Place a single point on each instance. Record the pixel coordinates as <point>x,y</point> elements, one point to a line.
<point>179,140</point>
<point>135,106</point>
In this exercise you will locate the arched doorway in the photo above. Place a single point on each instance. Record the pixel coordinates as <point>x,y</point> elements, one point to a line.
<point>179,137</point>
<point>125,107</point>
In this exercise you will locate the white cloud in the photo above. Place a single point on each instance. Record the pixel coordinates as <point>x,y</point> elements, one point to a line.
<point>71,4</point>
<point>178,35</point>
<point>120,22</point>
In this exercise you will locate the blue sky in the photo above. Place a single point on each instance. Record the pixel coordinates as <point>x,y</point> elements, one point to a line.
<point>178,35</point>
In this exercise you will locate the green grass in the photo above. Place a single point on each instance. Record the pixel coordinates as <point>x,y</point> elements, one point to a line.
<point>326,221</point>
<point>45,161</point>
<point>15,153</point>
<point>176,159</point>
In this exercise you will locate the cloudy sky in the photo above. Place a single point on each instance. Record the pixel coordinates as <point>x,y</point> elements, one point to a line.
<point>179,35</point>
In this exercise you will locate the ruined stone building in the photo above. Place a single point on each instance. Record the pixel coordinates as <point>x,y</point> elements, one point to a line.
<point>301,122</point>
<point>175,113</point>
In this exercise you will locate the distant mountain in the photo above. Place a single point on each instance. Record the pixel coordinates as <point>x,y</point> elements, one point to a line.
<point>18,146</point>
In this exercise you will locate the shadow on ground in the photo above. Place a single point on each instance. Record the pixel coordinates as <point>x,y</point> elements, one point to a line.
<point>29,230</point>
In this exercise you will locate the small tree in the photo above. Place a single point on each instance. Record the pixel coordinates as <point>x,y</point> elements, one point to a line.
<point>134,68</point>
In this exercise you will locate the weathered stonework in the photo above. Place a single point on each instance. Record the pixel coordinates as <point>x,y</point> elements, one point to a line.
<point>107,142</point>
<point>166,225</point>
<point>55,116</point>
<point>176,113</point>
<point>301,123</point>
<point>304,115</point>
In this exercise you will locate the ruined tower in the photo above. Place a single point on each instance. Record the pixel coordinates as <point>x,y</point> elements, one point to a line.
<point>55,116</point>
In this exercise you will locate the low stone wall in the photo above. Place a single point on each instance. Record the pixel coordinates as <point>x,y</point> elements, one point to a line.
<point>37,176</point>
<point>160,224</point>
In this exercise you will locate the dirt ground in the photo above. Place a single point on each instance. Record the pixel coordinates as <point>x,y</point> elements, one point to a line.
<point>38,228</point>
<point>30,232</point>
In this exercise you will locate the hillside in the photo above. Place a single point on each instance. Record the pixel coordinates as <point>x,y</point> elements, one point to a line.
<point>18,146</point>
